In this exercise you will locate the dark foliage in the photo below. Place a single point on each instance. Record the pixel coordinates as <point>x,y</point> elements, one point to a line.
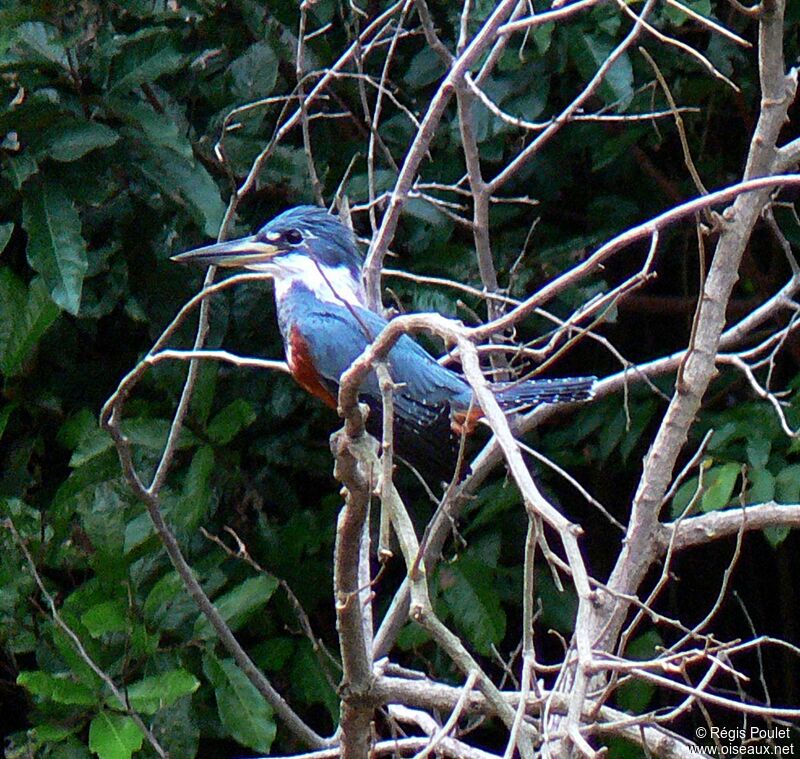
<point>110,115</point>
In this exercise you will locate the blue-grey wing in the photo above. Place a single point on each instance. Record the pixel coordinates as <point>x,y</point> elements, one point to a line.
<point>426,392</point>
<point>338,336</point>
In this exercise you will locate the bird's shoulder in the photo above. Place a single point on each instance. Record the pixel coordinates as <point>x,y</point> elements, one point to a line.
<point>323,323</point>
<point>336,334</point>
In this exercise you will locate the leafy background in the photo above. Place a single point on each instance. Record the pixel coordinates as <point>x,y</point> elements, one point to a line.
<point>107,167</point>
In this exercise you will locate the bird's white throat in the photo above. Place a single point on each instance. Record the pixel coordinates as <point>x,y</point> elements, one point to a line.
<point>333,284</point>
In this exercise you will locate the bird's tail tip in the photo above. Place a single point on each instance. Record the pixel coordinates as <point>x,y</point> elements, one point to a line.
<point>539,391</point>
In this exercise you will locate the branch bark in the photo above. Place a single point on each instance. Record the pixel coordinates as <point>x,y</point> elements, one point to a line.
<point>353,457</point>
<point>698,365</point>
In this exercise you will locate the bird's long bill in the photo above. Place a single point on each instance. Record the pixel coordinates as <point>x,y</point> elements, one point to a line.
<point>245,251</point>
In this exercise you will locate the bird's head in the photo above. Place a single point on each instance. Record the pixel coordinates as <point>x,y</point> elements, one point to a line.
<point>304,245</point>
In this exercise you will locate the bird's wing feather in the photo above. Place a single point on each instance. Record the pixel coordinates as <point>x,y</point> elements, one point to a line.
<point>337,336</point>
<point>426,392</point>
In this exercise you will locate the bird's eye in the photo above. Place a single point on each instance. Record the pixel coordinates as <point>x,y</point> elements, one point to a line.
<point>293,237</point>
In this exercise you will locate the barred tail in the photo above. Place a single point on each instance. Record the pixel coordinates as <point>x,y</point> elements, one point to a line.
<point>521,395</point>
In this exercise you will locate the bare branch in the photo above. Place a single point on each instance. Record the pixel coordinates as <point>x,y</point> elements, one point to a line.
<point>565,116</point>
<point>524,24</point>
<point>419,146</point>
<point>354,470</point>
<point>702,529</point>
<point>659,223</point>
<point>697,366</point>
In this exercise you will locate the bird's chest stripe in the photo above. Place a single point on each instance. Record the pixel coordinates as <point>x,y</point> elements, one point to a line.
<point>298,356</point>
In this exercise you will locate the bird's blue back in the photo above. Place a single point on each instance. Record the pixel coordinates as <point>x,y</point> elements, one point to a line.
<point>337,334</point>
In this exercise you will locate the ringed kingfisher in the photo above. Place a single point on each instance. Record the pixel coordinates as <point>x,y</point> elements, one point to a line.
<point>325,325</point>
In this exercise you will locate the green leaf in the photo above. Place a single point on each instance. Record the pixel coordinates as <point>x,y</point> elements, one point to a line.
<point>762,486</point>
<point>152,433</point>
<point>186,182</point>
<point>412,636</point>
<point>41,40</point>
<point>786,490</point>
<point>237,605</point>
<point>727,432</point>
<point>635,695</point>
<point>542,35</point>
<point>590,51</point>
<point>611,435</point>
<point>776,535</point>
<point>425,67</point>
<point>79,484</point>
<point>60,689</point>
<point>5,234</point>
<point>168,605</point>
<point>56,248</point>
<point>309,685</point>
<point>52,733</point>
<point>230,421</point>
<point>275,653</point>
<point>150,694</point>
<point>719,483</point>
<point>105,617</point>
<point>114,736</point>
<point>158,128</point>
<point>197,479</point>
<point>5,415</point>
<point>683,496</point>
<point>102,517</point>
<point>25,314</point>
<point>427,213</point>
<point>491,503</point>
<point>244,713</point>
<point>70,142</point>
<point>178,727</point>
<point>469,590</point>
<point>139,532</point>
<point>758,450</point>
<point>73,429</point>
<point>203,396</point>
<point>193,504</point>
<point>559,607</point>
<point>254,73</point>
<point>144,60</point>
<point>93,442</point>
<point>21,168</point>
<point>148,433</point>
<point>787,484</point>
<point>641,414</point>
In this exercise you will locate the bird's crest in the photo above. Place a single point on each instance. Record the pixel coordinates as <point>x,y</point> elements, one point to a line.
<point>331,242</point>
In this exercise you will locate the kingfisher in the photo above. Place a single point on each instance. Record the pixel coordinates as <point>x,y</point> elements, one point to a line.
<point>326,324</point>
